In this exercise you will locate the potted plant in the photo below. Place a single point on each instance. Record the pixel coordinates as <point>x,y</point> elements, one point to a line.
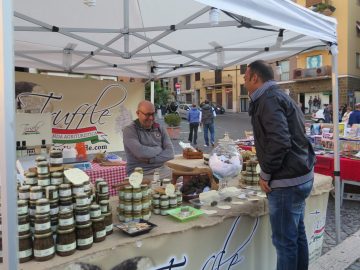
<point>325,9</point>
<point>173,121</point>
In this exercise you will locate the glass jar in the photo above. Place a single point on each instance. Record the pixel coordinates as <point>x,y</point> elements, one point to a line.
<point>121,194</point>
<point>42,224</point>
<point>128,216</point>
<point>51,193</point>
<point>54,224</point>
<point>23,224</point>
<point>66,219</point>
<point>22,207</point>
<point>173,201</point>
<point>103,188</point>
<point>44,248</point>
<point>42,206</point>
<point>128,206</point>
<point>156,209</point>
<point>82,215</point>
<point>84,236</point>
<point>57,178</point>
<point>56,158</point>
<point>65,242</point>
<point>42,167</point>
<point>179,197</point>
<point>82,199</point>
<point>128,192</point>
<point>136,205</point>
<point>31,178</point>
<point>104,206</point>
<point>77,188</point>
<point>66,203</point>
<point>87,186</point>
<point>40,159</point>
<point>108,223</point>
<point>144,190</point>
<point>145,203</point>
<point>101,197</point>
<point>164,201</point>
<point>32,208</point>
<point>163,210</point>
<point>36,193</point>
<point>25,253</point>
<point>99,231</point>
<point>98,181</point>
<point>24,192</point>
<point>145,214</point>
<point>65,190</point>
<point>156,199</point>
<point>95,211</point>
<point>136,194</point>
<point>136,216</point>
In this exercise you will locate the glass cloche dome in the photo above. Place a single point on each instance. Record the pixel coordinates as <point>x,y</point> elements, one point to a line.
<point>225,161</point>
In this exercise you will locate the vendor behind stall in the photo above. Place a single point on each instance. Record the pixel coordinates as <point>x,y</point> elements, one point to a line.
<point>147,144</point>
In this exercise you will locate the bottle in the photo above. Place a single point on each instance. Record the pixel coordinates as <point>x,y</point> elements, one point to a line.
<point>23,149</point>
<point>18,149</point>
<point>43,149</point>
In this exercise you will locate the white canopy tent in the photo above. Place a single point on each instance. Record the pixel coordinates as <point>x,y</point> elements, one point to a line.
<point>147,39</point>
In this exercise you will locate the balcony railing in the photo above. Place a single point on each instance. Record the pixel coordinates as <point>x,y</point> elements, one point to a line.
<point>307,73</point>
<point>224,80</point>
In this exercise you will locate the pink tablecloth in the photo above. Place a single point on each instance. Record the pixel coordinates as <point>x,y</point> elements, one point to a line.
<point>111,174</point>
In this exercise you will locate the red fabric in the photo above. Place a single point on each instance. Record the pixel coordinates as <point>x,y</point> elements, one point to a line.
<point>349,168</point>
<point>111,174</point>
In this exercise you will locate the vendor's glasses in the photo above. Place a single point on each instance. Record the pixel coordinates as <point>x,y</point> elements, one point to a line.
<point>147,115</point>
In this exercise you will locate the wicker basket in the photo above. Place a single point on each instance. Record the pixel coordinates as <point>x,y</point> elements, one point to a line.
<point>189,153</point>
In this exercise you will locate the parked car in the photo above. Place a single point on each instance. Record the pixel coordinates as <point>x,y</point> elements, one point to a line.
<point>183,110</point>
<point>218,109</point>
<point>318,116</point>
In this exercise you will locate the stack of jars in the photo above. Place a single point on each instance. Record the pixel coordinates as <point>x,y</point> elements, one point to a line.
<point>134,203</point>
<point>66,238</point>
<point>162,203</point>
<point>24,235</point>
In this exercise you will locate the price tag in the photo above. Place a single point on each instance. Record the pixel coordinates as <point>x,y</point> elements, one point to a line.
<point>170,189</point>
<point>135,179</point>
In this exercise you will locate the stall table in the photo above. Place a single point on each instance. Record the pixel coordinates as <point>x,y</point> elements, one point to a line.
<point>111,174</point>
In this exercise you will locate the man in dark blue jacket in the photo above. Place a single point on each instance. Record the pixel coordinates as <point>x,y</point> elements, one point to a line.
<point>194,118</point>
<point>286,158</point>
<point>354,117</point>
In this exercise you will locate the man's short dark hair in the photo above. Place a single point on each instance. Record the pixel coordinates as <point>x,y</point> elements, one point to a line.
<point>206,101</point>
<point>262,69</point>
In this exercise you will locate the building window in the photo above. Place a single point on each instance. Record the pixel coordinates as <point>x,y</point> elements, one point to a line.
<point>357,60</point>
<point>285,70</point>
<point>188,81</point>
<point>197,76</point>
<point>314,61</point>
<point>243,90</point>
<point>218,74</point>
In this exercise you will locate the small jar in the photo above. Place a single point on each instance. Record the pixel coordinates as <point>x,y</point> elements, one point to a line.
<point>66,219</point>
<point>166,181</point>
<point>36,193</point>
<point>128,192</point>
<point>42,167</point>
<point>121,205</point>
<point>137,205</point>
<point>44,248</point>
<point>145,203</point>
<point>102,196</point>
<point>64,190</point>
<point>103,188</point>
<point>42,206</point>
<point>121,216</point>
<point>65,242</point>
<point>144,190</point>
<point>139,170</point>
<point>84,236</point>
<point>128,216</point>
<point>57,178</point>
<point>164,201</point>
<point>56,158</point>
<point>108,223</point>
<point>44,180</point>
<point>32,208</point>
<point>42,224</point>
<point>24,192</point>
<point>51,193</point>
<point>87,186</point>
<point>136,216</point>
<point>179,197</point>
<point>23,224</point>
<point>66,203</point>
<point>22,207</point>
<point>95,211</point>
<point>99,231</point>
<point>156,210</point>
<point>136,194</point>
<point>82,199</point>
<point>77,188</point>
<point>82,215</point>
<point>146,214</point>
<point>31,178</point>
<point>104,206</point>
<point>128,206</point>
<point>40,159</point>
<point>156,199</point>
<point>163,210</point>
<point>173,201</point>
<point>98,181</point>
<point>25,253</point>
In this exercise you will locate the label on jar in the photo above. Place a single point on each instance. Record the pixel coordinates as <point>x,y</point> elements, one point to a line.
<point>81,218</point>
<point>22,210</point>
<point>35,195</point>
<point>77,190</point>
<point>62,207</point>
<point>51,194</point>
<point>101,233</point>
<point>25,253</point>
<point>30,180</point>
<point>82,201</point>
<point>104,189</point>
<point>135,179</point>
<point>128,207</point>
<point>42,170</point>
<point>85,241</point>
<point>56,160</point>
<point>137,207</point>
<point>109,227</point>
<point>24,227</point>
<point>127,195</point>
<point>95,213</point>
<point>42,208</point>
<point>104,208</point>
<point>56,181</point>
<point>54,210</point>
<point>42,226</point>
<point>170,189</point>
<point>64,222</point>
<point>44,182</point>
<point>44,252</point>
<point>65,192</point>
<point>24,195</point>
<point>137,195</point>
<point>145,204</point>
<point>64,248</point>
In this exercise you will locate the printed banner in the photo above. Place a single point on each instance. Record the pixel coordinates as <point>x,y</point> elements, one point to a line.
<point>65,136</point>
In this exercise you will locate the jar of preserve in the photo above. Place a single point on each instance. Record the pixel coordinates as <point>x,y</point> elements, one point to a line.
<point>179,197</point>
<point>42,224</point>
<point>145,214</point>
<point>84,236</point>
<point>121,216</point>
<point>56,158</point>
<point>102,196</point>
<point>121,205</point>
<point>82,215</point>
<point>23,224</point>
<point>66,219</point>
<point>99,231</point>
<point>77,188</point>
<point>82,199</point>
<point>22,207</point>
<point>128,206</point>
<point>42,167</point>
<point>136,216</point>
<point>57,178</point>
<point>156,199</point>
<point>128,192</point>
<point>65,190</point>
<point>87,186</point>
<point>65,242</point>
<point>121,194</point>
<point>173,201</point>
<point>42,206</point>
<point>163,210</point>
<point>103,188</point>
<point>137,205</point>
<point>44,180</point>
<point>156,209</point>
<point>44,248</point>
<point>36,193</point>
<point>145,203</point>
<point>31,178</point>
<point>166,181</point>
<point>145,190</point>
<point>95,211</point>
<point>128,216</point>
<point>24,192</point>
<point>98,181</point>
<point>51,193</point>
<point>66,203</point>
<point>40,159</point>
<point>25,253</point>
<point>32,208</point>
<point>54,208</point>
<point>137,194</point>
<point>108,223</point>
<point>139,170</point>
<point>104,206</point>
<point>164,201</point>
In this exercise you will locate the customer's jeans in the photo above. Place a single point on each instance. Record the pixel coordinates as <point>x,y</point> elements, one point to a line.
<point>287,206</point>
<point>207,128</point>
<point>193,130</point>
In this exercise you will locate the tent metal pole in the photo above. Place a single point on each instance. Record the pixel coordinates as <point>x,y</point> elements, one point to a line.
<point>335,95</point>
<point>152,91</point>
<point>7,139</point>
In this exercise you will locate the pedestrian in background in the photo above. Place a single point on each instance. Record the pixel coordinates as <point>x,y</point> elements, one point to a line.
<point>286,159</point>
<point>207,119</point>
<point>355,115</point>
<point>346,115</point>
<point>194,118</point>
<point>327,114</point>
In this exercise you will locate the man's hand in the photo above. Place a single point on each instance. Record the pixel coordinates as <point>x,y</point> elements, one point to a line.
<point>264,185</point>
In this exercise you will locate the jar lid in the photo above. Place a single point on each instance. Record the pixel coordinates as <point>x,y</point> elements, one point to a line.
<point>42,201</point>
<point>82,208</point>
<point>24,188</point>
<point>106,214</point>
<point>43,175</point>
<point>50,187</point>
<point>87,224</point>
<point>54,201</point>
<point>35,189</point>
<point>40,158</point>
<point>66,199</point>
<point>143,186</point>
<point>101,218</point>
<point>21,202</point>
<point>164,197</point>
<point>41,216</point>
<point>57,174</point>
<point>104,202</point>
<point>28,235</point>
<point>94,207</point>
<point>42,163</point>
<point>65,211</point>
<point>43,235</point>
<point>128,187</point>
<point>77,184</point>
<point>156,195</point>
<point>30,174</point>
<point>81,195</point>
<point>64,186</point>
<point>57,152</point>
<point>59,231</point>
